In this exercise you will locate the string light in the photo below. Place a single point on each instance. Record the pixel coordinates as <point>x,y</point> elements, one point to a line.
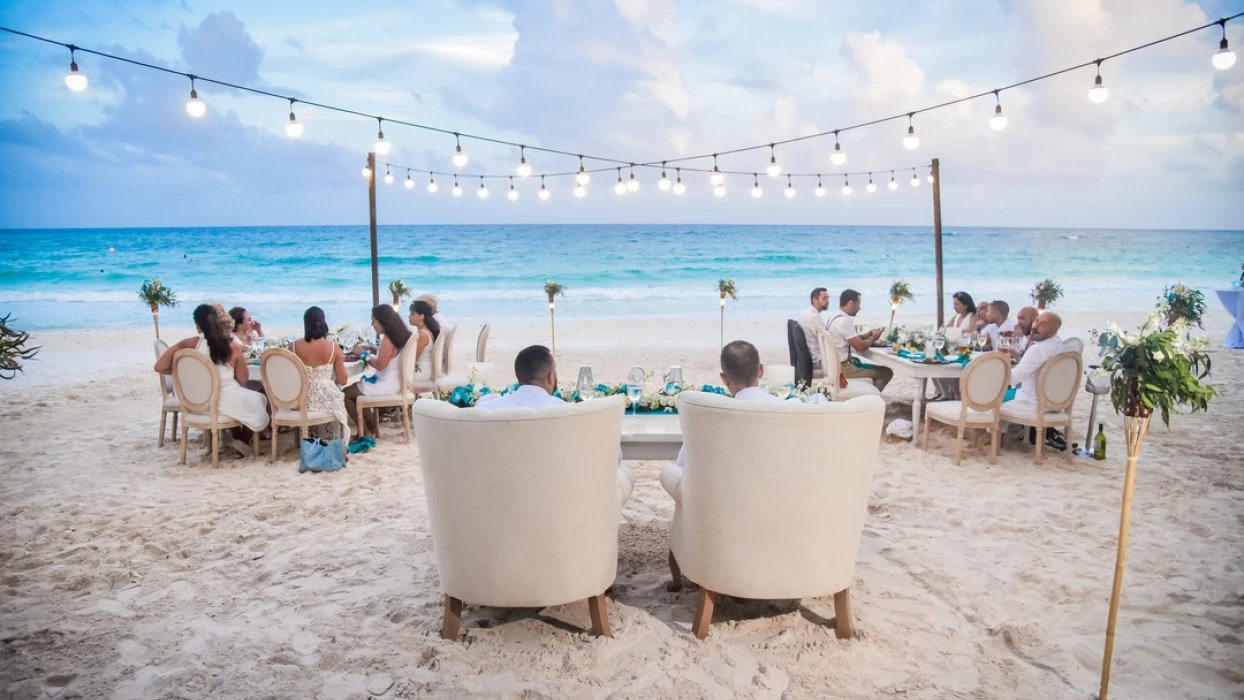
<point>388,177</point>
<point>820,189</point>
<point>482,192</point>
<point>456,191</point>
<point>632,185</point>
<point>998,121</point>
<point>619,186</point>
<point>366,172</point>
<point>838,157</point>
<point>716,178</point>
<point>410,184</point>
<point>195,107</point>
<point>523,169</point>
<point>1098,93</point>
<point>432,187</point>
<point>679,188</point>
<point>382,146</point>
<point>77,81</point>
<point>720,190</point>
<point>872,187</point>
<point>911,141</point>
<point>774,169</point>
<point>893,184</point>
<point>1224,59</point>
<point>915,179</point>
<point>513,193</point>
<point>580,191</point>
<point>756,191</point>
<point>293,129</point>
<point>460,156</point>
<point>846,186</point>
<point>664,183</point>
<point>544,192</point>
<point>582,177</point>
<point>930,176</point>
<point>790,188</point>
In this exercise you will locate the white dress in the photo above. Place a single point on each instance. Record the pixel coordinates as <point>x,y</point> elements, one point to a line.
<point>323,396</point>
<point>250,408</point>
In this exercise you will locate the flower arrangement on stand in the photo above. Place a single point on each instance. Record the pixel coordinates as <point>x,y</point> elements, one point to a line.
<point>400,291</point>
<point>725,288</point>
<point>1181,302</point>
<point>900,291</point>
<point>1046,292</point>
<point>154,294</point>
<point>553,289</point>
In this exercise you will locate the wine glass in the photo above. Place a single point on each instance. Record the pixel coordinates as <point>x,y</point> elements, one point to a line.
<point>981,340</point>
<point>635,379</point>
<point>1004,343</point>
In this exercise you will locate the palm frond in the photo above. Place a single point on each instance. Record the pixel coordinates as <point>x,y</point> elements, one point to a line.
<point>726,288</point>
<point>154,294</point>
<point>13,349</point>
<point>900,291</point>
<point>553,288</point>
<point>399,290</point>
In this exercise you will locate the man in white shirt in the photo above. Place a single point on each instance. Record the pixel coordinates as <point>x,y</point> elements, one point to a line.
<point>445,323</point>
<point>810,321</point>
<point>842,333</point>
<point>1045,344</point>
<point>999,324</point>
<point>1022,333</point>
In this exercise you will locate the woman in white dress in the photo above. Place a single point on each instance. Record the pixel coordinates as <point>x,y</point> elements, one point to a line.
<point>965,320</point>
<point>423,320</point>
<point>326,373</point>
<point>387,361</point>
<point>250,408</point>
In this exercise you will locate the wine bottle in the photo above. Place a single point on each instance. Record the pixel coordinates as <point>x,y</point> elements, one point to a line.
<point>1099,442</point>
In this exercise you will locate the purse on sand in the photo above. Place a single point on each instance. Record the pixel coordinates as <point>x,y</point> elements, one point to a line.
<point>321,455</point>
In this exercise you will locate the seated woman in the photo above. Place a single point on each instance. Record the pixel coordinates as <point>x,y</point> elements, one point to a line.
<point>326,373</point>
<point>964,319</point>
<point>387,361</point>
<point>428,329</point>
<point>215,328</point>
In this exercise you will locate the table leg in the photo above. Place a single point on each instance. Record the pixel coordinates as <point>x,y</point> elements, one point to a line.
<point>916,404</point>
<point>1088,437</point>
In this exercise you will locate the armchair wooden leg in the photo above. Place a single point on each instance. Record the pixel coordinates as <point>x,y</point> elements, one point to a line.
<point>185,437</point>
<point>406,420</point>
<point>675,583</point>
<point>276,431</point>
<point>703,613</point>
<point>215,447</point>
<point>163,420</point>
<point>1040,442</point>
<point>599,610</point>
<point>843,627</point>
<point>176,415</point>
<point>959,446</point>
<point>453,617</point>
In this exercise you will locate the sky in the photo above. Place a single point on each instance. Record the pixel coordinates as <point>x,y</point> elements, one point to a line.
<point>635,80</point>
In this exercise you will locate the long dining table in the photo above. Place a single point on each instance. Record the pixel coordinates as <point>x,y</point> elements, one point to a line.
<point>920,371</point>
<point>354,370</point>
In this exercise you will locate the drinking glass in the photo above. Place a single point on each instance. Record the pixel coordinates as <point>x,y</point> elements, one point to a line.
<point>981,339</point>
<point>635,379</point>
<point>1004,343</point>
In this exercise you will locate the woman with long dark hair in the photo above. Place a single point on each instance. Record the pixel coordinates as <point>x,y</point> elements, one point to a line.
<point>394,336</point>
<point>215,339</point>
<point>965,311</point>
<point>326,372</point>
<point>428,329</point>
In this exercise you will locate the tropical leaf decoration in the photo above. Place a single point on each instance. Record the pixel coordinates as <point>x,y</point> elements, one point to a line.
<point>552,289</point>
<point>1181,302</point>
<point>154,294</point>
<point>13,350</point>
<point>726,288</point>
<point>400,291</point>
<point>1156,369</point>
<point>1046,292</point>
<point>900,291</point>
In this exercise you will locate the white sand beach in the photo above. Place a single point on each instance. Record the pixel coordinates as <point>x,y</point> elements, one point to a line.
<point>126,575</point>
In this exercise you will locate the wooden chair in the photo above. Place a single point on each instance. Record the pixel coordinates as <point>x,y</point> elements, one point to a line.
<point>982,386</point>
<point>1057,383</point>
<point>857,386</point>
<point>169,403</point>
<point>481,343</point>
<point>198,386</point>
<point>409,388</point>
<point>286,383</point>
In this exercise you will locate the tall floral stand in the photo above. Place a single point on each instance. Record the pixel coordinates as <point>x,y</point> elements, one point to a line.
<point>1136,425</point>
<point>552,329</point>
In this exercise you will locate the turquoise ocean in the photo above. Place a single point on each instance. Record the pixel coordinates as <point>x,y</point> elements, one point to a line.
<point>59,279</point>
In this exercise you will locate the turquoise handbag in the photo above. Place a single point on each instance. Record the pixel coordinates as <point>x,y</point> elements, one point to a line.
<point>321,455</point>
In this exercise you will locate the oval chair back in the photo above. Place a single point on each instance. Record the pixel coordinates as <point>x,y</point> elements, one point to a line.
<point>1057,381</point>
<point>831,364</point>
<point>447,353</point>
<point>166,380</point>
<point>481,343</point>
<point>196,382</point>
<point>984,381</point>
<point>285,379</point>
<point>1074,344</point>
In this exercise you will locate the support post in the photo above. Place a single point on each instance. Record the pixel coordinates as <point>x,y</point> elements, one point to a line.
<point>937,240</point>
<point>371,210</point>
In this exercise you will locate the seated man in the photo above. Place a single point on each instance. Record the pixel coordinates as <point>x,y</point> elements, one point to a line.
<point>999,324</point>
<point>741,372</point>
<point>445,323</point>
<point>536,371</point>
<point>842,334</point>
<point>810,321</point>
<point>1022,333</point>
<point>1045,344</point>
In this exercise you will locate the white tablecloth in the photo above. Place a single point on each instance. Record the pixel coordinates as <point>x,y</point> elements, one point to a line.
<point>1233,301</point>
<point>919,371</point>
<point>354,370</point>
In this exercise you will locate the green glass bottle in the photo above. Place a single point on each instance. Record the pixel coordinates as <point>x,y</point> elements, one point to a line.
<point>1099,442</point>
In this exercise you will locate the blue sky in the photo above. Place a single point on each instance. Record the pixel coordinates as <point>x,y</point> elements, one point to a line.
<point>638,80</point>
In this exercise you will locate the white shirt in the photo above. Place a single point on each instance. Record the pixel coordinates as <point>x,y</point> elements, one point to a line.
<point>840,328</point>
<point>994,331</point>
<point>810,321</point>
<point>1024,375</point>
<point>526,396</point>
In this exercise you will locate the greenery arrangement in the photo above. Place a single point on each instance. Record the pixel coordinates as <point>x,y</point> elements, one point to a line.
<point>900,292</point>
<point>1156,367</point>
<point>13,350</point>
<point>552,290</point>
<point>1181,302</point>
<point>662,401</point>
<point>725,287</point>
<point>1046,292</point>
<point>400,291</point>
<point>154,294</point>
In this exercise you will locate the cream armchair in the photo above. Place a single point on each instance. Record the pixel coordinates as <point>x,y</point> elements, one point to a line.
<point>523,503</point>
<point>772,499</point>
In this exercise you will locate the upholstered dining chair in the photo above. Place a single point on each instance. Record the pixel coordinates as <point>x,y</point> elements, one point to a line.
<point>856,386</point>
<point>169,403</point>
<point>198,386</point>
<point>408,387</point>
<point>286,382</point>
<point>1057,382</point>
<point>981,389</point>
<point>481,343</point>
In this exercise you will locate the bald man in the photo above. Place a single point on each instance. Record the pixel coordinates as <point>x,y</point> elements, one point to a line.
<point>1022,333</point>
<point>1044,344</point>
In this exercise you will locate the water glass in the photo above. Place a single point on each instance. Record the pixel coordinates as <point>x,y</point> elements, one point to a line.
<point>635,380</point>
<point>981,340</point>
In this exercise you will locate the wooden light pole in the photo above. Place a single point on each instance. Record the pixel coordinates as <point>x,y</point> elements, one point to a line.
<point>937,238</point>
<point>371,209</point>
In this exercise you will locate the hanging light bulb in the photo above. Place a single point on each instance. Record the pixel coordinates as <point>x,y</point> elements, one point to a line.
<point>774,169</point>
<point>930,176</point>
<point>1098,93</point>
<point>382,146</point>
<point>482,192</point>
<point>410,184</point>
<point>790,189</point>
<point>820,189</point>
<point>838,157</point>
<point>513,193</point>
<point>523,169</point>
<point>77,81</point>
<point>679,188</point>
<point>756,191</point>
<point>367,172</point>
<point>195,107</point>
<point>911,141</point>
<point>580,191</point>
<point>915,179</point>
<point>632,185</point>
<point>893,183</point>
<point>846,186</point>
<point>457,191</point>
<point>619,186</point>
<point>460,156</point>
<point>716,178</point>
<point>544,193</point>
<point>1224,59</point>
<point>292,128</point>
<point>432,187</point>
<point>582,177</point>
<point>664,183</point>
<point>720,190</point>
<point>872,187</point>
<point>998,121</point>
<point>388,176</point>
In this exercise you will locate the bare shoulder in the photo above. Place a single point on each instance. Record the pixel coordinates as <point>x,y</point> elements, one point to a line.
<point>188,343</point>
